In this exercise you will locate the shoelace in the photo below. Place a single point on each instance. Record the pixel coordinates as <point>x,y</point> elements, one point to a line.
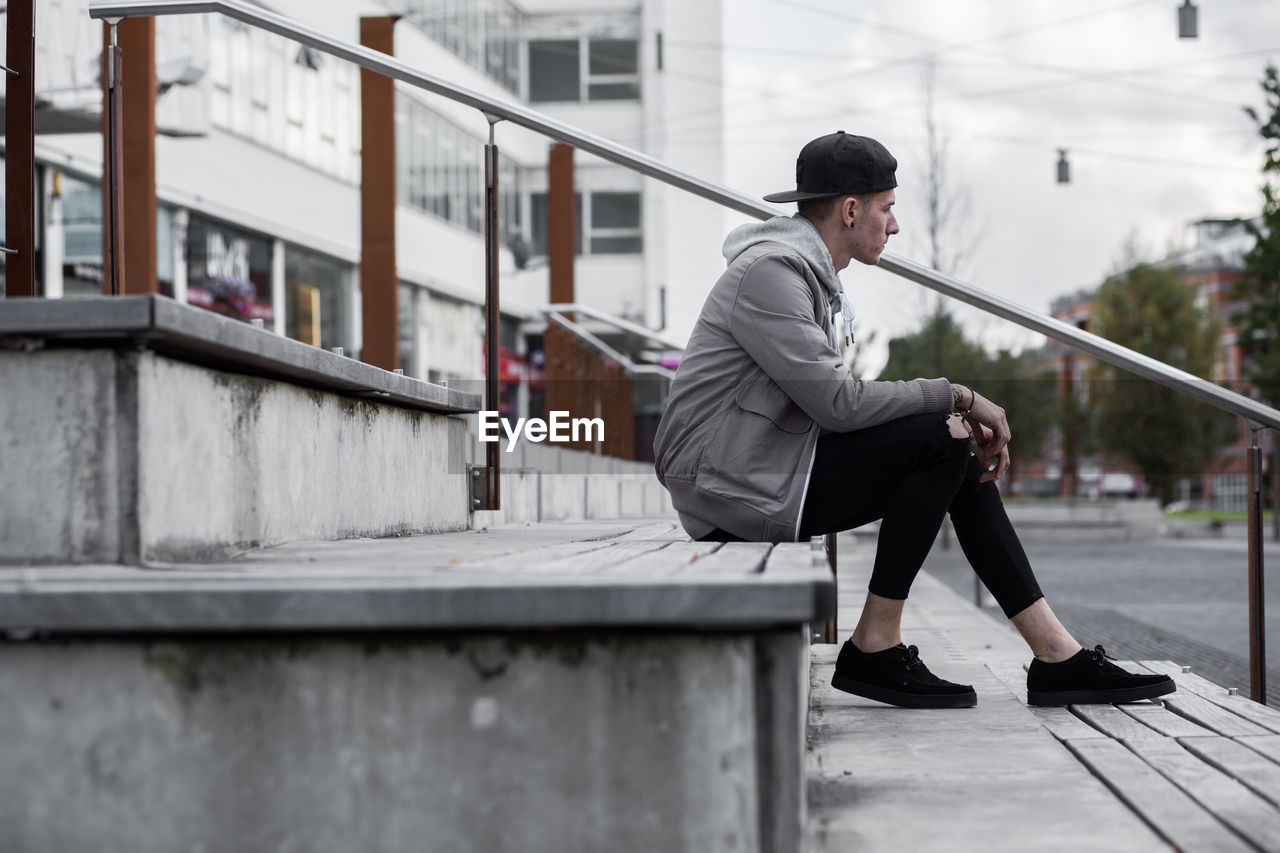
<point>1099,655</point>
<point>912,657</point>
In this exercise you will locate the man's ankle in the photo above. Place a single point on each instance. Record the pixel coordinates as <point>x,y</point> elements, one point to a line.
<point>870,644</point>
<point>1059,651</point>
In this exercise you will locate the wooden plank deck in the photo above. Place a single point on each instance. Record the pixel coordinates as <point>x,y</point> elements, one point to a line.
<point>638,573</point>
<point>1197,770</point>
<point>1178,818</point>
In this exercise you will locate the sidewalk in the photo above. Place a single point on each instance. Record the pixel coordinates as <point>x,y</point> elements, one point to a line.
<point>1003,776</point>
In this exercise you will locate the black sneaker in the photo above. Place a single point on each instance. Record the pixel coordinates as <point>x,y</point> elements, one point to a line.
<point>897,676</point>
<point>1089,677</point>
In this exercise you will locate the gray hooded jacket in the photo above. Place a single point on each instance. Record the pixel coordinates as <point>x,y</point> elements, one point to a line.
<point>760,380</point>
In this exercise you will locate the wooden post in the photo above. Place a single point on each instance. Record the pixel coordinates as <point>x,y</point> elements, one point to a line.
<point>131,142</point>
<point>379,283</point>
<point>561,349</point>
<point>624,425</point>
<point>20,151</point>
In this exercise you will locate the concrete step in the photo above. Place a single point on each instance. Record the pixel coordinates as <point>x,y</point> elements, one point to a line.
<point>567,686</point>
<point>140,430</point>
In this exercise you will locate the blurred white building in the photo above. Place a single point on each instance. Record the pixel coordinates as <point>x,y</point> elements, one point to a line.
<point>258,165</point>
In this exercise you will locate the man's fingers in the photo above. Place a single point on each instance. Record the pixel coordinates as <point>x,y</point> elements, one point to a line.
<point>998,468</point>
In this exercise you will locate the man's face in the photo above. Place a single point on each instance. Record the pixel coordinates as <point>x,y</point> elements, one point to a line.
<point>873,225</point>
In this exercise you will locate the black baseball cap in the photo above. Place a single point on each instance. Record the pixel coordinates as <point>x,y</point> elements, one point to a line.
<point>840,164</point>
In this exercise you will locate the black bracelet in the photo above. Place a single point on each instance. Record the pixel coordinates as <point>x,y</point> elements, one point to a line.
<point>957,397</point>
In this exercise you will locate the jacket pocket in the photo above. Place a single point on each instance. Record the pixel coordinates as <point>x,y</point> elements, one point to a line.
<point>767,399</point>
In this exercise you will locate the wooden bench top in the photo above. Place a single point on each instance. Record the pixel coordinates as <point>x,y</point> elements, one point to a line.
<point>572,574</point>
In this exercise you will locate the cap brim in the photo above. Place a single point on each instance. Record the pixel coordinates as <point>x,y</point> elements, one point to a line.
<point>796,195</point>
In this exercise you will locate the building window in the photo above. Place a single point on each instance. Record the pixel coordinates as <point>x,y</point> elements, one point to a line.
<point>555,71</point>
<point>294,101</point>
<point>482,33</point>
<point>606,223</point>
<point>440,170</point>
<point>615,224</point>
<point>613,70</point>
<point>584,70</point>
<point>318,293</point>
<point>229,270</point>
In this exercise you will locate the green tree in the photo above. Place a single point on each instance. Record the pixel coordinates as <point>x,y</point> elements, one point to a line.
<point>938,348</point>
<point>941,348</point>
<point>1259,285</point>
<point>1029,395</point>
<point>1164,434</point>
<point>1258,324</point>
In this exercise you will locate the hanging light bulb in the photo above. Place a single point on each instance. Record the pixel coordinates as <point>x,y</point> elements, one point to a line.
<point>1064,168</point>
<point>1188,20</point>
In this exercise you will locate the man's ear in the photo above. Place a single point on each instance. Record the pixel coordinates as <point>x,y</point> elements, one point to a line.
<point>849,212</point>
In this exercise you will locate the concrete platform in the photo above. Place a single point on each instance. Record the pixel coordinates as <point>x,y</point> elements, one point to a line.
<point>584,686</point>
<point>1195,772</point>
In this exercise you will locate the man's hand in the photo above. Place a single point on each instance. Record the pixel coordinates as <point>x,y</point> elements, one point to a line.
<point>991,436</point>
<point>997,466</point>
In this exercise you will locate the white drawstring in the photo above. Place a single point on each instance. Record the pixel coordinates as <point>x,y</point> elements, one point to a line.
<point>846,311</point>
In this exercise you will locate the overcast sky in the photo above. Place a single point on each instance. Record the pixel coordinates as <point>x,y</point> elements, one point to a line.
<point>1153,124</point>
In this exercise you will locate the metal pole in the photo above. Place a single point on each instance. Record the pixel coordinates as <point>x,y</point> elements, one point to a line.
<point>113,248</point>
<point>1257,600</point>
<point>20,163</point>
<point>492,318</point>
<point>830,629</point>
<point>1105,350</point>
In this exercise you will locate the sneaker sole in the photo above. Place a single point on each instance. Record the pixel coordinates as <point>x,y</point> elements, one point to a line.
<point>901,699</point>
<point>1101,697</point>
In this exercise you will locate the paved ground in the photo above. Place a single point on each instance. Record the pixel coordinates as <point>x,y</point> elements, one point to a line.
<point>1179,599</point>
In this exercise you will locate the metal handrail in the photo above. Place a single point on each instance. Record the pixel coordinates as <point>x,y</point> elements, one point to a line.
<point>617,322</point>
<point>630,367</point>
<point>1256,414</point>
<point>1107,351</point>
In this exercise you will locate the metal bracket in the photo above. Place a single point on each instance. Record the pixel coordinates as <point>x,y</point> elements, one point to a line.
<point>20,343</point>
<point>479,487</point>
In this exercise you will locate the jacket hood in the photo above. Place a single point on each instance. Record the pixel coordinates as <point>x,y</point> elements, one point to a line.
<point>794,231</point>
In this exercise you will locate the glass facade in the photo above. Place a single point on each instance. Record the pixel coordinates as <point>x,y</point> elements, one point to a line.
<point>318,294</point>
<point>291,99</point>
<point>607,223</point>
<point>591,62</point>
<point>229,270</point>
<point>483,33</point>
<point>440,168</point>
<point>82,237</point>
<point>584,69</point>
<point>555,70</point>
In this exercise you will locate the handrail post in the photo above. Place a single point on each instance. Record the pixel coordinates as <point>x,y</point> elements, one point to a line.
<point>492,317</point>
<point>1257,600</point>
<point>113,244</point>
<point>831,628</point>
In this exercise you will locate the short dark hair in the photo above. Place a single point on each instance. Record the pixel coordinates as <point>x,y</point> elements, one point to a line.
<point>819,209</point>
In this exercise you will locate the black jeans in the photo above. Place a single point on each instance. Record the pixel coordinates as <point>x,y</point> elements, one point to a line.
<point>908,473</point>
